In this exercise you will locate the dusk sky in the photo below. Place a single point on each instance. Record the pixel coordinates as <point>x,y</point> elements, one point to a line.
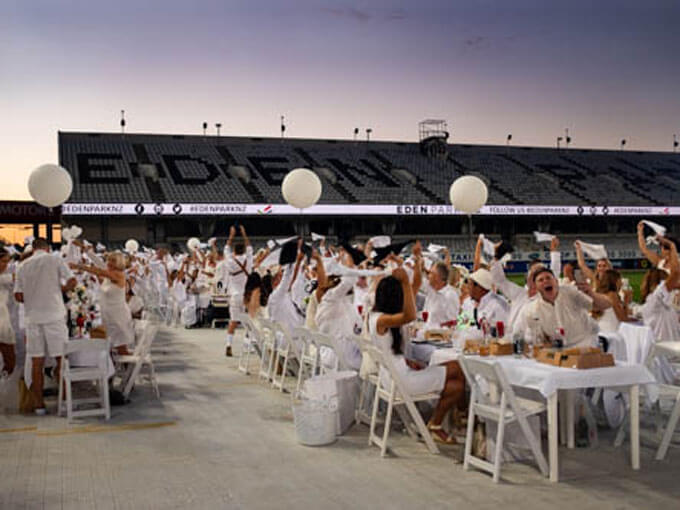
<point>607,70</point>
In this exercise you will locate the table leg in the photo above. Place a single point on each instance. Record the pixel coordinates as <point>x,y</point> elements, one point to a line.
<point>635,426</point>
<point>570,418</point>
<point>562,415</point>
<point>552,437</point>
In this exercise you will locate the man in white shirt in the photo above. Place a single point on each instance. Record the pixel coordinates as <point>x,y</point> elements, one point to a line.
<point>441,300</point>
<point>239,265</point>
<point>563,307</point>
<point>39,286</point>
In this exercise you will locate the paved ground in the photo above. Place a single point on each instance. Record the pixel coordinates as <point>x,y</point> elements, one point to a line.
<point>219,439</point>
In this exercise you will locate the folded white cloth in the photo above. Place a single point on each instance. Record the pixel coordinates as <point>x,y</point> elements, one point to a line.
<point>435,248</point>
<point>658,229</point>
<point>542,237</point>
<point>594,251</point>
<point>380,241</point>
<point>652,240</point>
<point>100,247</point>
<point>317,237</point>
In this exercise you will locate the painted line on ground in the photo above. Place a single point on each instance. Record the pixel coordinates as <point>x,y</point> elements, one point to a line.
<point>90,429</point>
<point>18,429</point>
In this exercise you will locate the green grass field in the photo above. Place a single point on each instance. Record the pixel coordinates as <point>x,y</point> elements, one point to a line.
<point>634,277</point>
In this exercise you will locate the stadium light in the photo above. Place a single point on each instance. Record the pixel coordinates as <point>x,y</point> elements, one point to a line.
<point>205,127</point>
<point>356,133</point>
<point>283,126</point>
<point>368,134</point>
<point>218,126</point>
<point>675,143</point>
<point>567,138</point>
<point>122,122</point>
<point>507,140</point>
<point>623,143</point>
<point>559,139</point>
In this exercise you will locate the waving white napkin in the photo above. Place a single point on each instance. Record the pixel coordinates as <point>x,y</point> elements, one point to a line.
<point>380,241</point>
<point>658,229</point>
<point>317,237</point>
<point>594,251</point>
<point>435,248</point>
<point>542,237</point>
<point>488,247</point>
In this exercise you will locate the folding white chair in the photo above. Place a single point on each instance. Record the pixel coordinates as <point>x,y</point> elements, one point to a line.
<point>395,394</point>
<point>369,381</point>
<point>308,357</point>
<point>268,349</point>
<point>140,357</point>
<point>98,373</point>
<point>252,341</point>
<point>668,392</point>
<point>323,341</point>
<point>285,355</point>
<point>510,409</point>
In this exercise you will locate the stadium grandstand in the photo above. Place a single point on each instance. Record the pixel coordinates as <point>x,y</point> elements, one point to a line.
<point>161,188</point>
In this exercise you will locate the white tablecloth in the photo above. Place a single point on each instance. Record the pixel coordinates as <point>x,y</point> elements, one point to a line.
<point>547,379</point>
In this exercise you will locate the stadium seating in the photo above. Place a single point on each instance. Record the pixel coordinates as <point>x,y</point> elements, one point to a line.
<point>106,168</point>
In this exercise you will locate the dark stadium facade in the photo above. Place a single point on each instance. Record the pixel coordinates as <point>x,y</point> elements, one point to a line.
<point>165,188</point>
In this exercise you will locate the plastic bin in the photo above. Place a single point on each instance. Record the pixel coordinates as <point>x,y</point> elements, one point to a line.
<point>315,422</point>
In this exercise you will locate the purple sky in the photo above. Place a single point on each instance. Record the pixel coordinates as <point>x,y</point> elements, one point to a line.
<point>605,69</point>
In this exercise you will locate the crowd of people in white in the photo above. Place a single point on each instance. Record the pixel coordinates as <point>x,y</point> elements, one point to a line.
<point>375,288</point>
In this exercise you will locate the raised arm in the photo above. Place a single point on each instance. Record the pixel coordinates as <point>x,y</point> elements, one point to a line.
<point>246,241</point>
<point>478,254</point>
<point>232,233</point>
<point>654,258</point>
<point>555,257</point>
<point>589,273</point>
<point>418,268</point>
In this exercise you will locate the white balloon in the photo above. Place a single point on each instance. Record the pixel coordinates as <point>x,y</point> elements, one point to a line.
<point>50,185</point>
<point>131,246</point>
<point>193,243</point>
<point>468,194</point>
<point>301,188</point>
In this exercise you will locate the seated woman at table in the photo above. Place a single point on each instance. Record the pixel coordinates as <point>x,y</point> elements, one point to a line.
<point>657,288</point>
<point>394,308</point>
<point>608,320</point>
<point>116,315</point>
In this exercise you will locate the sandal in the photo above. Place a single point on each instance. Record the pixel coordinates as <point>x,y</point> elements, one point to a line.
<point>439,435</point>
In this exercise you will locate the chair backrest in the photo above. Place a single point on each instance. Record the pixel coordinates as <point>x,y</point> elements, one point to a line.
<point>324,340</point>
<point>148,334</point>
<point>491,372</point>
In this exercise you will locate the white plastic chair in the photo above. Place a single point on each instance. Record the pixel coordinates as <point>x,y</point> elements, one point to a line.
<point>140,357</point>
<point>252,341</point>
<point>510,409</point>
<point>395,394</point>
<point>285,352</point>
<point>668,392</point>
<point>308,357</point>
<point>268,350</point>
<point>220,302</point>
<point>98,373</point>
<point>369,380</point>
<point>322,340</point>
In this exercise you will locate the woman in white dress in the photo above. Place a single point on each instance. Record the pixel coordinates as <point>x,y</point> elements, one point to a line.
<point>657,293</point>
<point>394,308</point>
<point>609,284</point>
<point>116,315</point>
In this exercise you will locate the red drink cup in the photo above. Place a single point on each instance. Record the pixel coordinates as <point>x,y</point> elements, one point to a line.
<point>425,315</point>
<point>500,329</point>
